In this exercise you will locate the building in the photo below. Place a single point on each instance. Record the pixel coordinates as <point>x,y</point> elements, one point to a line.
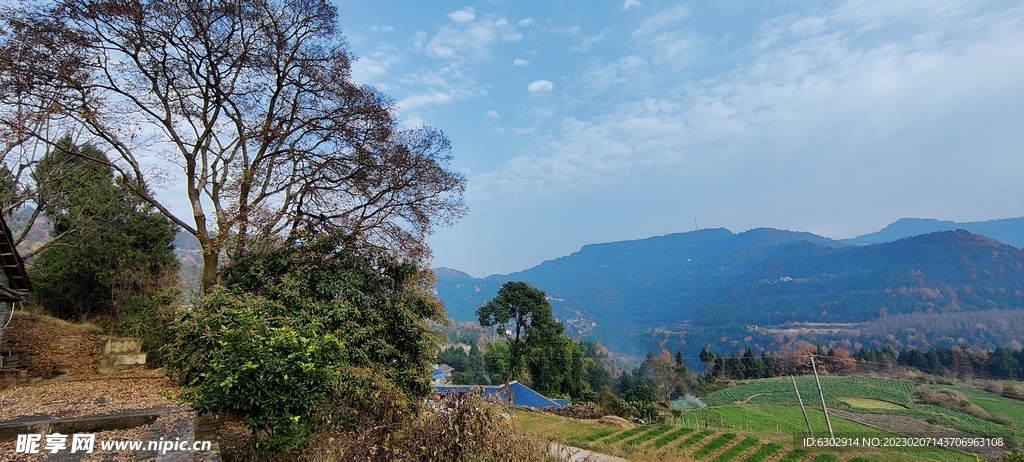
<point>522,395</point>
<point>14,283</point>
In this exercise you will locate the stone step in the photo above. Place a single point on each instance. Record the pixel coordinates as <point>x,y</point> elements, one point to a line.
<point>123,359</point>
<point>119,345</point>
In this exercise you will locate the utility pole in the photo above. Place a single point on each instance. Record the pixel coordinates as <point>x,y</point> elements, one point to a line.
<point>822,395</point>
<point>802,408</point>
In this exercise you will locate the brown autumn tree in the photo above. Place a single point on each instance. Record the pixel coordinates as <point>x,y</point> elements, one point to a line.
<point>248,105</point>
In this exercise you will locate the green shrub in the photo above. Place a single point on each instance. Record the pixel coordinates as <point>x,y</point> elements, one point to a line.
<point>303,338</point>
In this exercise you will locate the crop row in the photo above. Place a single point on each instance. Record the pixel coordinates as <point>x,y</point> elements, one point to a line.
<point>641,438</point>
<point>793,456</point>
<point>696,438</point>
<point>764,452</point>
<point>626,434</point>
<point>714,445</point>
<point>599,435</point>
<point>670,437</point>
<point>896,391</point>
<point>736,450</point>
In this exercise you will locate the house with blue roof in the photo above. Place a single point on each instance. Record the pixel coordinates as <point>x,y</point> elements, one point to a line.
<point>522,395</point>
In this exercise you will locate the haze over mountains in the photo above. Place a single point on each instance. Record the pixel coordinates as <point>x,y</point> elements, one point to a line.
<point>714,280</point>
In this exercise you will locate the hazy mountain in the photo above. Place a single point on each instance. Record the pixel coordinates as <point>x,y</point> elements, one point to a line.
<point>654,280</point>
<point>706,287</point>
<point>1008,230</point>
<point>947,271</point>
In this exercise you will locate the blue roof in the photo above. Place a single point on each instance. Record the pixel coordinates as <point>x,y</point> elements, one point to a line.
<point>522,395</point>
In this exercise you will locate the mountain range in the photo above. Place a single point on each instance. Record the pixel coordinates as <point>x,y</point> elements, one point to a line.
<point>714,280</point>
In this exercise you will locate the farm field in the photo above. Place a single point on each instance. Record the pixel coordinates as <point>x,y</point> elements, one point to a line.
<point>658,443</point>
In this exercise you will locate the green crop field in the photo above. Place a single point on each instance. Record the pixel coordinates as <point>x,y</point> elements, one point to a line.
<point>779,391</point>
<point>715,444</point>
<point>736,450</point>
<point>1007,408</point>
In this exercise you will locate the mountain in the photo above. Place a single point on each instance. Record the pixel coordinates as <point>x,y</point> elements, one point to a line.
<point>683,291</point>
<point>947,271</point>
<point>642,282</point>
<point>1008,230</point>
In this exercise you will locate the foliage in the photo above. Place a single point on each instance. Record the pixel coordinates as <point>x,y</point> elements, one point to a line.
<point>628,434</point>
<point>111,258</point>
<point>714,445</point>
<point>254,102</point>
<point>696,438</point>
<point>739,448</point>
<point>300,338</point>
<point>459,427</point>
<point>641,438</point>
<point>521,314</point>
<point>670,437</point>
<point>794,455</point>
<point>764,452</point>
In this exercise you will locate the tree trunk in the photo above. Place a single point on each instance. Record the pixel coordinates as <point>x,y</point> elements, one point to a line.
<point>209,269</point>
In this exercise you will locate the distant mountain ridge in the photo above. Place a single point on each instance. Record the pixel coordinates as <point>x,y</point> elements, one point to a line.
<point>1008,230</point>
<point>712,281</point>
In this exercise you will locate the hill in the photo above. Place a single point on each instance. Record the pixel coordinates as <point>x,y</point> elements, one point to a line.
<point>947,271</point>
<point>641,282</point>
<point>1008,231</point>
<point>683,291</point>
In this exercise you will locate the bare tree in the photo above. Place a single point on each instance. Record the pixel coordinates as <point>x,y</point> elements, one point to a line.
<point>250,103</point>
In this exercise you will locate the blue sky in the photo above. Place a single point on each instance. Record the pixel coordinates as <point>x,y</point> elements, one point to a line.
<point>593,121</point>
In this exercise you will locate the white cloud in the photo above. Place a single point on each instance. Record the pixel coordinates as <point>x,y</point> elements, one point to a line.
<point>630,4</point>
<point>540,85</point>
<point>661,20</point>
<point>631,68</point>
<point>470,41</point>
<point>525,22</point>
<point>500,22</point>
<point>586,42</point>
<point>848,95</point>
<point>414,102</point>
<point>463,15</point>
<point>382,29</point>
<point>366,69</point>
<point>519,62</point>
<point>492,114</point>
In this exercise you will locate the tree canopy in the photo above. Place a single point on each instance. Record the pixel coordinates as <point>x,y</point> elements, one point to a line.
<point>522,315</point>
<point>301,337</point>
<point>112,250</point>
<point>249,105</point>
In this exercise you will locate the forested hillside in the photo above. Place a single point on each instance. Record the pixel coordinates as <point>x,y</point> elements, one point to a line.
<point>711,286</point>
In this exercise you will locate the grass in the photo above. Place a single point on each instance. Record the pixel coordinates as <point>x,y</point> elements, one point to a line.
<point>868,403</point>
<point>640,439</point>
<point>736,450</point>
<point>626,434</point>
<point>826,458</point>
<point>793,456</point>
<point>599,435</point>
<point>696,438</point>
<point>764,452</point>
<point>670,437</point>
<point>714,445</point>
<point>774,419</point>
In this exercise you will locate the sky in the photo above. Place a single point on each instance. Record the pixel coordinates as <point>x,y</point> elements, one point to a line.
<point>580,122</point>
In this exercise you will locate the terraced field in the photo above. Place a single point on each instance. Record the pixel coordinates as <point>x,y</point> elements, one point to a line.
<point>666,443</point>
<point>779,391</point>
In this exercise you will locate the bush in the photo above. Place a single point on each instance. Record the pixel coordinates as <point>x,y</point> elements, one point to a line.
<point>306,338</point>
<point>461,427</point>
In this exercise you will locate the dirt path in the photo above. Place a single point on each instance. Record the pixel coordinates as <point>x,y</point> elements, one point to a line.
<point>575,454</point>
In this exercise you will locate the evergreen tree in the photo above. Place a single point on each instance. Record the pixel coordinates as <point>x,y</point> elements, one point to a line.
<point>113,252</point>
